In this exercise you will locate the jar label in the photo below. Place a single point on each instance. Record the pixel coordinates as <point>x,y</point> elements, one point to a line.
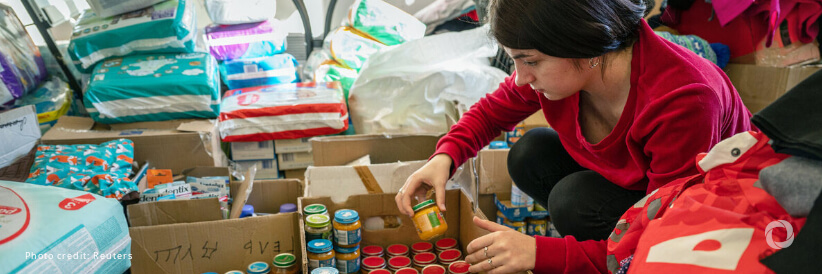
<point>349,266</point>
<point>321,263</point>
<point>537,229</point>
<point>348,237</point>
<point>434,219</point>
<point>327,235</point>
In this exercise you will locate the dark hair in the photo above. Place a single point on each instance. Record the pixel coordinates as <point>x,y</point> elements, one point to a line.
<point>566,28</point>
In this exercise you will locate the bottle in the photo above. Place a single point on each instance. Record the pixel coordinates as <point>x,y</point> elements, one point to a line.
<point>347,228</point>
<point>429,220</point>
<point>286,263</point>
<point>317,226</point>
<point>320,254</point>
<point>348,259</point>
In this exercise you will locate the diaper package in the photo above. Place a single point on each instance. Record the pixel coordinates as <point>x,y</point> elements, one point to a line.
<point>252,40</point>
<point>102,169</point>
<point>52,100</point>
<point>384,22</point>
<point>154,87</point>
<point>262,71</point>
<point>331,70</point>
<point>46,229</point>
<point>286,111</point>
<point>21,65</point>
<point>232,12</point>
<point>107,8</point>
<point>167,27</point>
<point>350,47</point>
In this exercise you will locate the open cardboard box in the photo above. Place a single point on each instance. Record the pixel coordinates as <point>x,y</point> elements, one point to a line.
<point>458,217</point>
<point>340,150</point>
<point>492,171</point>
<point>175,145</point>
<point>759,86</point>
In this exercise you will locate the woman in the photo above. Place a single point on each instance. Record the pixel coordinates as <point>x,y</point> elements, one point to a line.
<point>629,112</point>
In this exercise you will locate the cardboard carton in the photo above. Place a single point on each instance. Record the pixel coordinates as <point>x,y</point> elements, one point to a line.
<point>492,171</point>
<point>19,131</point>
<point>266,169</point>
<point>295,160</point>
<point>340,150</point>
<point>759,86</point>
<point>175,145</point>
<point>292,145</point>
<point>338,182</point>
<point>298,174</point>
<point>252,150</point>
<point>267,195</point>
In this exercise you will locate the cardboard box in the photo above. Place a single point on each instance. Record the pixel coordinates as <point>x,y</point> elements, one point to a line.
<point>296,160</point>
<point>340,150</point>
<point>266,169</point>
<point>292,145</point>
<point>458,217</point>
<point>536,120</point>
<point>252,150</point>
<point>759,86</point>
<point>267,195</point>
<point>298,174</point>
<point>492,171</point>
<point>339,182</point>
<point>19,131</point>
<point>175,145</point>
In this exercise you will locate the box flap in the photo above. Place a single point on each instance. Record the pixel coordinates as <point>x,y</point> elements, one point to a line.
<point>174,212</point>
<point>204,171</point>
<point>241,196</point>
<point>339,182</point>
<point>339,150</point>
<point>268,195</point>
<point>74,123</point>
<point>197,126</point>
<point>492,171</point>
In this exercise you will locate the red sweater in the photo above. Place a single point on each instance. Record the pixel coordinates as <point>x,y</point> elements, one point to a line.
<point>679,105</point>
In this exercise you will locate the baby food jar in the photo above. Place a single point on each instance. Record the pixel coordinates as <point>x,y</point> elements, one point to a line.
<point>372,263</point>
<point>325,270</point>
<point>445,244</point>
<point>458,267</point>
<point>407,270</point>
<point>258,268</point>
<point>500,217</point>
<point>373,251</point>
<point>348,259</point>
<point>317,226</point>
<point>398,263</point>
<point>429,220</point>
<point>286,263</point>
<point>449,256</point>
<point>516,225</point>
<point>320,254</point>
<point>378,271</point>
<point>537,227</point>
<point>315,209</point>
<point>433,269</point>
<point>397,250</point>
<point>347,228</point>
<point>424,259</point>
<point>421,247</point>
<point>234,272</point>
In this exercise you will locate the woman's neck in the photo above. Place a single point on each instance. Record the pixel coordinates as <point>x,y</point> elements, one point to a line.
<point>609,91</point>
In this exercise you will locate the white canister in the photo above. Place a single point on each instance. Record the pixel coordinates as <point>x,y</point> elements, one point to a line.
<point>520,199</point>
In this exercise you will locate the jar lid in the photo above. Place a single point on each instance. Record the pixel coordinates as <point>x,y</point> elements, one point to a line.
<point>317,220</point>
<point>373,262</point>
<point>315,209</point>
<point>399,262</point>
<point>425,258</point>
<point>319,246</point>
<point>447,243</point>
<point>450,255</point>
<point>380,271</point>
<point>397,249</point>
<point>288,207</point>
<point>258,268</point>
<point>406,270</point>
<point>459,267</point>
<point>248,210</point>
<point>325,270</point>
<point>346,216</point>
<point>422,247</point>
<point>498,145</point>
<point>372,250</point>
<point>284,260</point>
<point>433,269</point>
<point>423,205</point>
<point>345,250</point>
<point>234,272</point>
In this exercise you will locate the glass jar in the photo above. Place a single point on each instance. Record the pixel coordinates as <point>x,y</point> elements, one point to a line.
<point>398,263</point>
<point>433,269</point>
<point>424,259</point>
<point>234,272</point>
<point>320,254</point>
<point>258,268</point>
<point>458,267</point>
<point>317,227</point>
<point>429,220</point>
<point>516,225</point>
<point>373,251</point>
<point>348,259</point>
<point>378,271</point>
<point>325,270</point>
<point>449,256</point>
<point>286,263</point>
<point>421,247</point>
<point>347,228</point>
<point>445,244</point>
<point>370,264</point>
<point>407,270</point>
<point>537,227</point>
<point>315,209</point>
<point>397,250</point>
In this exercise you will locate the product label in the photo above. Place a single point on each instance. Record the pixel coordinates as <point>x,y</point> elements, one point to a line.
<point>316,236</point>
<point>433,218</point>
<point>537,229</point>
<point>348,237</point>
<point>350,266</point>
<point>321,263</point>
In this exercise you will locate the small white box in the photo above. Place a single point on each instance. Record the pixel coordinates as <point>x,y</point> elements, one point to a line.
<point>296,160</point>
<point>266,169</point>
<point>292,145</point>
<point>243,151</point>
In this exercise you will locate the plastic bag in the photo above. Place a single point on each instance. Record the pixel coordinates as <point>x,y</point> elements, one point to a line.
<point>410,88</point>
<point>52,100</point>
<point>331,70</point>
<point>227,42</point>
<point>315,59</point>
<point>21,66</point>
<point>384,22</point>
<point>232,12</point>
<point>441,11</point>
<point>351,47</point>
<point>108,8</point>
<point>263,71</point>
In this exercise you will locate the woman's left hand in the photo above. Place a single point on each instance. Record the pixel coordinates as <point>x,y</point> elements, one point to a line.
<point>503,251</point>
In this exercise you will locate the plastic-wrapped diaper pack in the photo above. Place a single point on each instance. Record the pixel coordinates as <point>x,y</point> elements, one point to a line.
<point>261,71</point>
<point>331,70</point>
<point>286,111</point>
<point>102,169</point>
<point>47,229</point>
<point>227,42</point>
<point>351,47</point>
<point>52,100</point>
<point>167,27</point>
<point>107,8</point>
<point>384,22</point>
<point>21,66</point>
<point>232,12</point>
<point>154,87</point>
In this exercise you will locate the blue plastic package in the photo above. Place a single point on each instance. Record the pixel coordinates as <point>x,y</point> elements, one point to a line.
<point>263,71</point>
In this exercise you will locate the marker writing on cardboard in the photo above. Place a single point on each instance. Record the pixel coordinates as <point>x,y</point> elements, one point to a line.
<point>208,252</point>
<point>250,247</point>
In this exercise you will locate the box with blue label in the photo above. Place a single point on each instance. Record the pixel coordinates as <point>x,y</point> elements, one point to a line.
<point>243,151</point>
<point>266,169</point>
<point>292,145</point>
<point>503,202</point>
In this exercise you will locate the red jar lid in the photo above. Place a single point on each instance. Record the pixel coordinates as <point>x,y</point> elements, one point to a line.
<point>450,255</point>
<point>379,271</point>
<point>458,267</point>
<point>372,250</point>
<point>433,269</point>
<point>447,243</point>
<point>399,262</point>
<point>373,262</point>
<point>397,249</point>
<point>425,258</point>
<point>407,270</point>
<point>422,247</point>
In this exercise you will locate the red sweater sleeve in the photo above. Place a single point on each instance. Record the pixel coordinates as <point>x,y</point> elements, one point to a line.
<point>498,111</point>
<point>567,255</point>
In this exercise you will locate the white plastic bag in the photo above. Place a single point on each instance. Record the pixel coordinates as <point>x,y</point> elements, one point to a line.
<point>107,8</point>
<point>411,87</point>
<point>441,11</point>
<point>230,12</point>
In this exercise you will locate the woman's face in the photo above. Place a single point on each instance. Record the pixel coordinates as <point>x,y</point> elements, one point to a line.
<point>555,78</point>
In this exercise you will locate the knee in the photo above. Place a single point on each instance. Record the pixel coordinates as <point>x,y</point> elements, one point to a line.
<point>530,149</point>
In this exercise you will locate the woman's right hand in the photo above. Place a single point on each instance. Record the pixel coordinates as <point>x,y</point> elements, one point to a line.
<point>433,174</point>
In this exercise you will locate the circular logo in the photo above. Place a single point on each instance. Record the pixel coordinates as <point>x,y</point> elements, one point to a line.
<point>769,234</point>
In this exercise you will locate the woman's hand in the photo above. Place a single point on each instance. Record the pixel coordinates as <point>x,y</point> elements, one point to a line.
<point>508,251</point>
<point>433,174</point>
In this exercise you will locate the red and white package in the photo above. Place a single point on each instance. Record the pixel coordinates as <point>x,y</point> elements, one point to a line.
<point>286,111</point>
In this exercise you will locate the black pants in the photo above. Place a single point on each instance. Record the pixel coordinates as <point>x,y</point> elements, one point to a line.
<point>581,202</point>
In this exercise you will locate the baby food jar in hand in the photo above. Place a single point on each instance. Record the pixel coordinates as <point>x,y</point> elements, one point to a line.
<point>320,254</point>
<point>347,228</point>
<point>429,220</point>
<point>286,263</point>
